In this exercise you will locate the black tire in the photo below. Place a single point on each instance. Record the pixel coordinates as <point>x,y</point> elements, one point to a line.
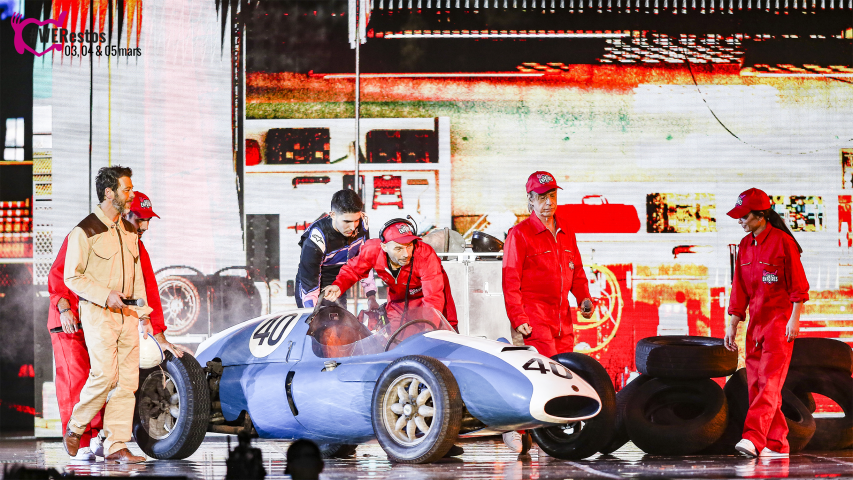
<point>446,401</point>
<point>676,417</point>
<point>684,357</point>
<point>589,436</point>
<point>187,433</point>
<point>837,385</point>
<point>808,400</point>
<point>337,450</point>
<point>623,398</point>
<point>823,353</point>
<point>801,424</point>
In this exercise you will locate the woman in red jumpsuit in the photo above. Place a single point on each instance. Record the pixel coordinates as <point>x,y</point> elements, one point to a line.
<point>770,280</point>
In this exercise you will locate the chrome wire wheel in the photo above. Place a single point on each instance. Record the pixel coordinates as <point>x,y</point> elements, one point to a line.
<point>408,410</point>
<point>159,405</point>
<point>181,303</point>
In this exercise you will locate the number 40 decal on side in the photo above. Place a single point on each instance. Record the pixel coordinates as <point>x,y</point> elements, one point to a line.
<point>268,335</point>
<point>537,365</point>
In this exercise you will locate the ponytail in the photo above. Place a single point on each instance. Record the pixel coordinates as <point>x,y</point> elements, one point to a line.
<point>774,219</point>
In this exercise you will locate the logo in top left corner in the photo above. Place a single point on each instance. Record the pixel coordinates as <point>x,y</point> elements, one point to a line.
<point>18,24</point>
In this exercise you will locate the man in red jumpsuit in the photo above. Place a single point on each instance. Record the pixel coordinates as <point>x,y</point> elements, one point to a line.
<point>400,259</point>
<point>67,337</point>
<point>769,278</point>
<point>541,266</point>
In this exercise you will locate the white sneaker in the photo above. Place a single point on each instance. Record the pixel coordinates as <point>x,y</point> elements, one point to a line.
<point>746,447</point>
<point>771,454</point>
<point>513,441</point>
<point>97,446</point>
<point>85,455</point>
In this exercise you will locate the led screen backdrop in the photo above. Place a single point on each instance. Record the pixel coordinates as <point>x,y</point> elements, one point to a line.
<point>239,122</point>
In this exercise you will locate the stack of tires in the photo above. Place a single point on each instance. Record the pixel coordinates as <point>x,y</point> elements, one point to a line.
<point>824,366</point>
<point>675,408</point>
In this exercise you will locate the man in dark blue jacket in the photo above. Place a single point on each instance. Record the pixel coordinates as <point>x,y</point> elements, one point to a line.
<point>331,240</point>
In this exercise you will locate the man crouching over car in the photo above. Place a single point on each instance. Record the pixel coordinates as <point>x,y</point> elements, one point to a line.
<point>409,267</point>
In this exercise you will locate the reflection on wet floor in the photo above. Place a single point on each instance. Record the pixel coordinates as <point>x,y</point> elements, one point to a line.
<point>484,458</point>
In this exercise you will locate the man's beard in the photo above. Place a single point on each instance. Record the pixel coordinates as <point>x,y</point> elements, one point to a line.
<point>119,204</point>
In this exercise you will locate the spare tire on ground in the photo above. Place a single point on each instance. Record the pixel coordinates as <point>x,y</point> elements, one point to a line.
<point>582,439</point>
<point>822,353</point>
<point>801,424</point>
<point>623,398</point>
<point>837,385</point>
<point>676,417</point>
<point>685,357</point>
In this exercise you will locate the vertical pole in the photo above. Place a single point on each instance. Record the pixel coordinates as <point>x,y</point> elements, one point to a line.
<point>91,94</point>
<point>357,96</point>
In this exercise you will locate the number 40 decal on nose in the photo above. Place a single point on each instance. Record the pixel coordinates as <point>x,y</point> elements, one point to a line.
<point>268,335</point>
<point>537,365</point>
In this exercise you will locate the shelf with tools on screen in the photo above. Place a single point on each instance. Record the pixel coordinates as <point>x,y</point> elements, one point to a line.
<point>293,167</point>
<point>16,227</point>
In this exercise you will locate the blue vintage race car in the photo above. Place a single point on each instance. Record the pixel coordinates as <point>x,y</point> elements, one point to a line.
<point>415,387</point>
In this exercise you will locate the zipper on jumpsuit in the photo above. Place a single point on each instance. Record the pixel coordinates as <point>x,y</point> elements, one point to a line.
<point>560,263</point>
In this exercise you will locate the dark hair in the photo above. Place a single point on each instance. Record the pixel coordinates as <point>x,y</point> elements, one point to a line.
<point>346,201</point>
<point>774,219</point>
<point>108,178</point>
<point>304,460</point>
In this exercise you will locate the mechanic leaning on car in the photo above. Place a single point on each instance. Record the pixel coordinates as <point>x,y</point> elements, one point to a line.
<point>409,267</point>
<point>69,343</point>
<point>102,268</point>
<point>326,246</point>
<point>770,279</point>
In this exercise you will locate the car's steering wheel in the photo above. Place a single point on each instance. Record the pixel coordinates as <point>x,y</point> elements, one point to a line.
<point>404,326</point>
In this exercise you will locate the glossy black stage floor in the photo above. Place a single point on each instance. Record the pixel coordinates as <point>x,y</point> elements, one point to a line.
<point>484,458</point>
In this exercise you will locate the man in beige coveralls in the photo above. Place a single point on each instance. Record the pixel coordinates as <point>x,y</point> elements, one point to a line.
<point>102,267</point>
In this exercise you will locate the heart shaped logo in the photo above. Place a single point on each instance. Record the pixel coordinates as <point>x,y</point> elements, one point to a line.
<point>18,24</point>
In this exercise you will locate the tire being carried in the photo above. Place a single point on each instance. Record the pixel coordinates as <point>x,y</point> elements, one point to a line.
<point>416,410</point>
<point>172,408</point>
<point>582,439</point>
<point>685,357</point>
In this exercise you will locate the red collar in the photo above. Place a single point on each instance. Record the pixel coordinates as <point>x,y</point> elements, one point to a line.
<point>540,227</point>
<point>761,236</point>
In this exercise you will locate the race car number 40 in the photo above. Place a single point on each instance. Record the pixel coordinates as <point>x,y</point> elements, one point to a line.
<point>270,333</point>
<point>537,365</point>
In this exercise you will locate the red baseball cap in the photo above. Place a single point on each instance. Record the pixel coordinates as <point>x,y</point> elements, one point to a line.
<point>752,199</point>
<point>141,206</point>
<point>400,232</point>
<point>541,182</point>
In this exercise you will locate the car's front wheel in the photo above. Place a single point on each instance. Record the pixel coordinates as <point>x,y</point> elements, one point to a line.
<point>417,410</point>
<point>172,408</point>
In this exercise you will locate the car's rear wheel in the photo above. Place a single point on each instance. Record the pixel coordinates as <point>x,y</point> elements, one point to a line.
<point>172,408</point>
<point>417,410</point>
